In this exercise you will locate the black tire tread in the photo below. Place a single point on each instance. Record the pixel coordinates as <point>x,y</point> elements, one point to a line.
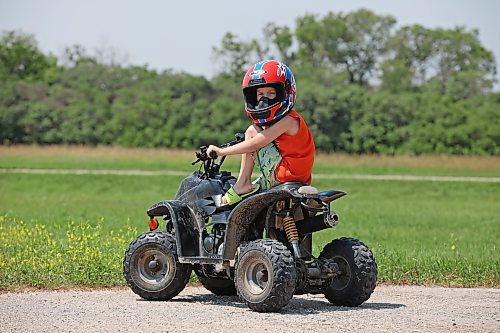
<point>284,275</point>
<point>363,269</point>
<point>183,271</point>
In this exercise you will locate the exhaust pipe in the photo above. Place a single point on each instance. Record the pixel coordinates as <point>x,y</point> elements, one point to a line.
<point>317,223</point>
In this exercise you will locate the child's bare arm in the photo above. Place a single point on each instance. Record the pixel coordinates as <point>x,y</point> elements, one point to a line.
<point>260,140</point>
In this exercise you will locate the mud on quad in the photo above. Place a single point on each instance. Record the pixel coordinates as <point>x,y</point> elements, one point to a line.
<point>259,248</point>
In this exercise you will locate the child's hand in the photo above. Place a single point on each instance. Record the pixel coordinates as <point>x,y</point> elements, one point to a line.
<point>215,149</point>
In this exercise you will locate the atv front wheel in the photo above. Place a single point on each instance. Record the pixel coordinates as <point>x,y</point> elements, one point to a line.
<point>358,276</point>
<point>152,269</point>
<point>265,275</point>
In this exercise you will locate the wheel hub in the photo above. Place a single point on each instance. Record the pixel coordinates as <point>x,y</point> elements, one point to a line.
<point>343,277</point>
<point>153,265</point>
<point>261,277</point>
<point>257,277</point>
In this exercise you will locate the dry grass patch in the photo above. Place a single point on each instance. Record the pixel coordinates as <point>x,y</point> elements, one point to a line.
<point>478,163</point>
<point>61,150</point>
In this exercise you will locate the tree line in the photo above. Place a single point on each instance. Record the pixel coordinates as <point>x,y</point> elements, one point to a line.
<point>364,86</point>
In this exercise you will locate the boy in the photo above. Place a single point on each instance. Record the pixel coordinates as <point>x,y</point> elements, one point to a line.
<point>280,137</point>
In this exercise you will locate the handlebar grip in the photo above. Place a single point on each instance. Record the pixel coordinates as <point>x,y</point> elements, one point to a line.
<point>213,155</point>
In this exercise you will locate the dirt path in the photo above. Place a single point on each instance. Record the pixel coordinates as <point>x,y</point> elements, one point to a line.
<point>390,309</point>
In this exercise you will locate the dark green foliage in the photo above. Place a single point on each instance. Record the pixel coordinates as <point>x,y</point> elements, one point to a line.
<point>363,87</point>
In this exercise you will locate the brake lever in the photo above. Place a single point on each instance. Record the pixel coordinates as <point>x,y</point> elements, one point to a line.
<point>201,155</point>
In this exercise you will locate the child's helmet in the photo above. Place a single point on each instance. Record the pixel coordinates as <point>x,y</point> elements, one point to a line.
<point>269,73</point>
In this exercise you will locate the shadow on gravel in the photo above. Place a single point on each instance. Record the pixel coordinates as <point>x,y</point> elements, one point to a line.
<point>209,299</point>
<point>297,305</point>
<point>307,306</point>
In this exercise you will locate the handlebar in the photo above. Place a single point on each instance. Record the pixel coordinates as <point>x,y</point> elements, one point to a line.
<point>210,166</point>
<point>238,137</point>
<point>213,155</point>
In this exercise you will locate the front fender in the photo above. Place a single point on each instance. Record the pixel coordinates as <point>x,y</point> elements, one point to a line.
<point>186,223</point>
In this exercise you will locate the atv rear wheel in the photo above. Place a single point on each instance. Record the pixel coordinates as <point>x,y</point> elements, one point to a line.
<point>152,269</point>
<point>265,275</point>
<point>358,269</point>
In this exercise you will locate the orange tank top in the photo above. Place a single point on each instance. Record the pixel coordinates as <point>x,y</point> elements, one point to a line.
<point>297,153</point>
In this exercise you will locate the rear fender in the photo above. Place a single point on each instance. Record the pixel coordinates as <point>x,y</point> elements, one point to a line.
<point>244,214</point>
<point>186,223</point>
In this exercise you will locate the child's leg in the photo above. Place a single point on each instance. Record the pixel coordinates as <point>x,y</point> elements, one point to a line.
<point>244,182</point>
<point>268,158</point>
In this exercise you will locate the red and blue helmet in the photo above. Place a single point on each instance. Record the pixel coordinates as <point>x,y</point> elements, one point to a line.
<point>269,73</point>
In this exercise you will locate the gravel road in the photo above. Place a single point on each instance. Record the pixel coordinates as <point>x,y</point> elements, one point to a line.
<point>390,309</point>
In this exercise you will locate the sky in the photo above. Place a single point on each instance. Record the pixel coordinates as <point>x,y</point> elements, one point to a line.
<point>180,35</point>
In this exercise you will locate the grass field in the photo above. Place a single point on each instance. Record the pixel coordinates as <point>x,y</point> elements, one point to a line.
<point>72,230</point>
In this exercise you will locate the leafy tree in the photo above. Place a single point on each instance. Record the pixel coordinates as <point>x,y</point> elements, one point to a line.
<point>282,39</point>
<point>453,57</point>
<point>410,50</point>
<point>459,50</point>
<point>351,42</point>
<point>362,88</point>
<point>20,58</point>
<point>234,55</point>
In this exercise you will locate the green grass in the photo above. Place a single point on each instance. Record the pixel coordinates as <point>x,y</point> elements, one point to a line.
<point>424,232</point>
<point>69,230</point>
<point>149,159</point>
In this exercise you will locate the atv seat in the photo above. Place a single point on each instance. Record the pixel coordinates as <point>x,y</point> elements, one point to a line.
<point>309,190</point>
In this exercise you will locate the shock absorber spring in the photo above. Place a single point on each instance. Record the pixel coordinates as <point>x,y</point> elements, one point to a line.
<point>292,234</point>
<point>290,228</point>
